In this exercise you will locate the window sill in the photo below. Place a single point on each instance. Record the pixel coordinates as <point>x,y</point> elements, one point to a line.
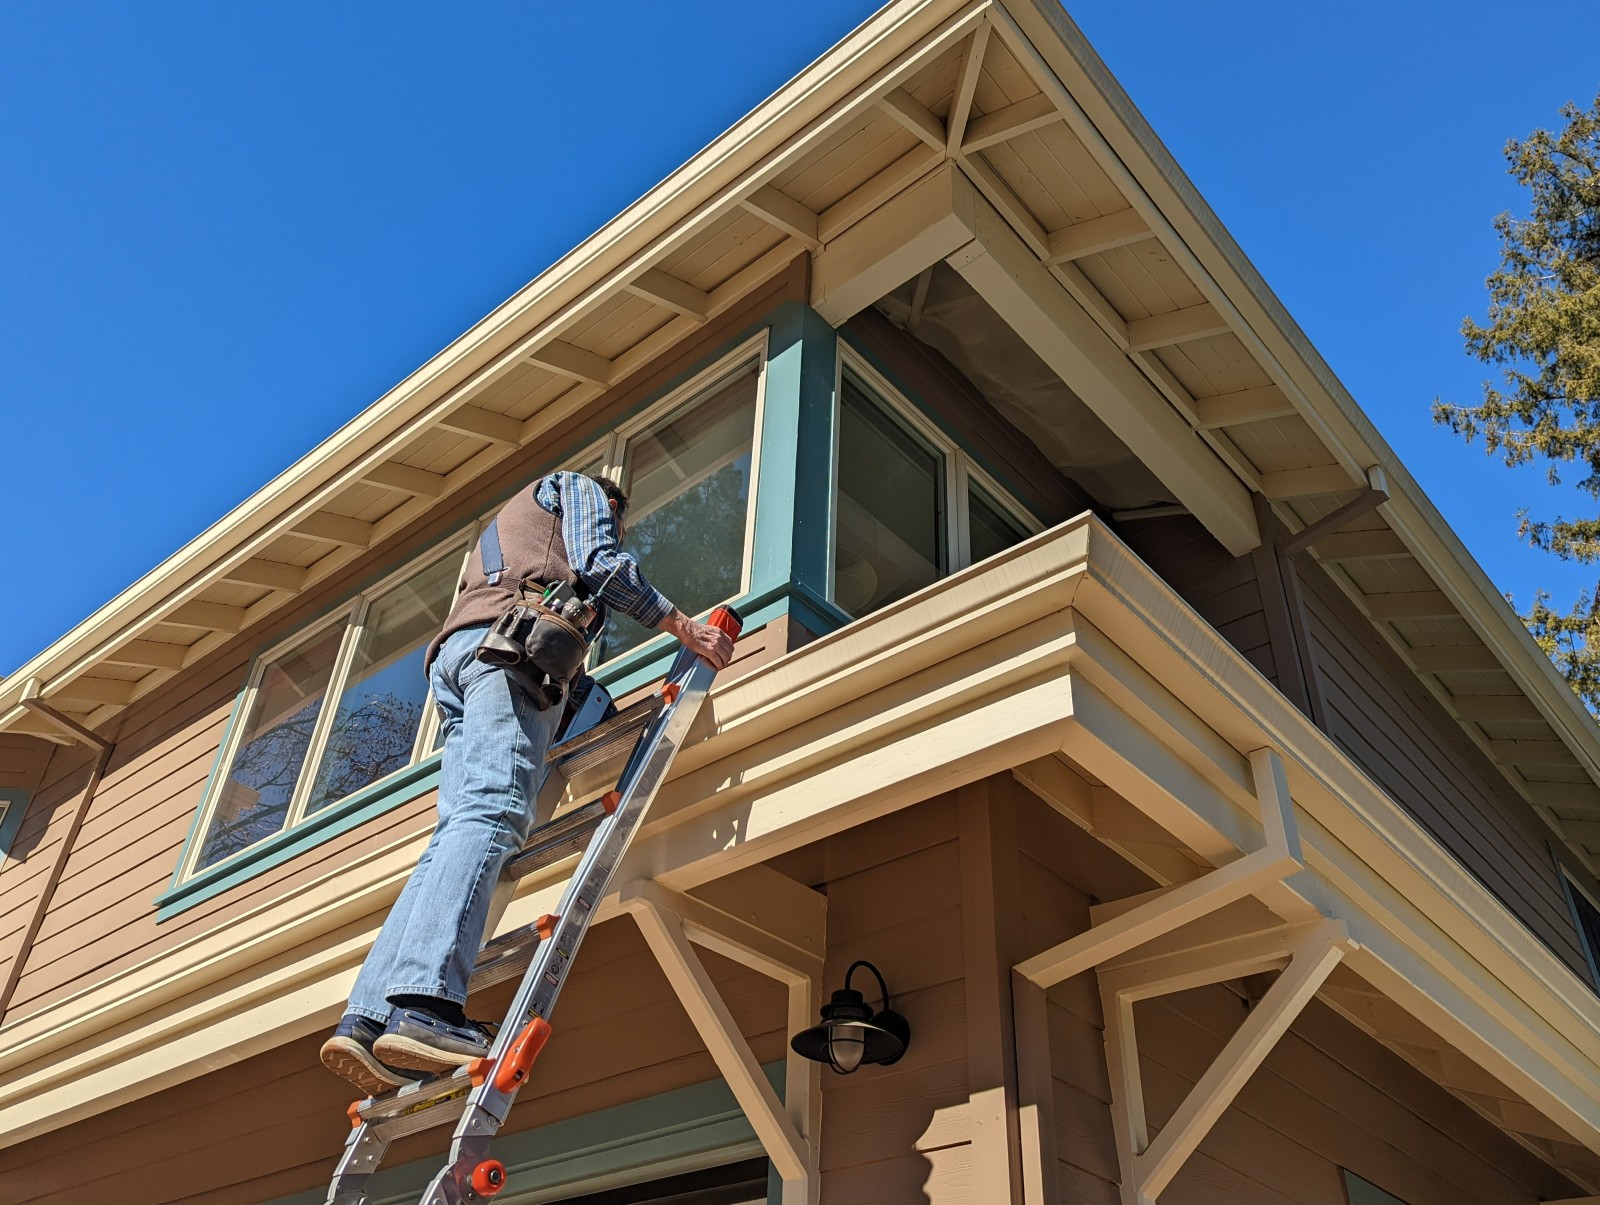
<point>351,812</point>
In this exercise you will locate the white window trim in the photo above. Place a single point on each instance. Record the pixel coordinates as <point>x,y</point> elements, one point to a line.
<point>352,615</point>
<point>959,466</point>
<point>609,450</point>
<point>682,399</point>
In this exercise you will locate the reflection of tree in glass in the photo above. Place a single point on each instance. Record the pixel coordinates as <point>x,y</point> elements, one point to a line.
<point>373,740</point>
<point>270,765</point>
<point>691,548</point>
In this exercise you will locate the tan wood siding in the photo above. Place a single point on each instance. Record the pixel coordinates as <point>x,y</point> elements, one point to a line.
<point>1399,734</point>
<point>1327,1097</point>
<point>23,760</point>
<point>192,1143</point>
<point>901,1133</point>
<point>102,917</point>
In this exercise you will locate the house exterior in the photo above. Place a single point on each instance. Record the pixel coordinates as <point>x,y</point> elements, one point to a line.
<point>1106,682</point>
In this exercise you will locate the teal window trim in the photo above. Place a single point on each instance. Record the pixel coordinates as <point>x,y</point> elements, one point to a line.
<point>1363,1192</point>
<point>684,1130</point>
<point>15,802</point>
<point>786,326</point>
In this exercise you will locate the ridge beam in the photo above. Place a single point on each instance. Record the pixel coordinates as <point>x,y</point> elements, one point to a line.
<point>788,215</point>
<point>1010,122</point>
<point>570,360</point>
<point>1095,235</point>
<point>915,116</point>
<point>671,293</point>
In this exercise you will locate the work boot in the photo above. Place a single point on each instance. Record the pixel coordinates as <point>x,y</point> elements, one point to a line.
<point>419,1041</point>
<point>349,1053</point>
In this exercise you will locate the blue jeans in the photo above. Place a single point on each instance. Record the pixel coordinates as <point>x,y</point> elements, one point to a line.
<point>494,746</point>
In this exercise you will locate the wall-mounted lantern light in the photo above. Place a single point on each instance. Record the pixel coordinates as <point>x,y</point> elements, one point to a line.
<point>851,1033</point>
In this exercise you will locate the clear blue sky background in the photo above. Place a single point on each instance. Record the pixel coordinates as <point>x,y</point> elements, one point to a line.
<point>227,228</point>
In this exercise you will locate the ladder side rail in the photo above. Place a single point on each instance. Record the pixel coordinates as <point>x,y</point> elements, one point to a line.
<point>488,1104</point>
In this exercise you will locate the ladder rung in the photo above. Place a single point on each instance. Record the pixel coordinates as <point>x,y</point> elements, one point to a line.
<point>435,1101</point>
<point>594,746</point>
<point>562,837</point>
<point>506,957</point>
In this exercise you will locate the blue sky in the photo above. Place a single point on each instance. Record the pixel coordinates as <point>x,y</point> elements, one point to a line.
<point>228,228</point>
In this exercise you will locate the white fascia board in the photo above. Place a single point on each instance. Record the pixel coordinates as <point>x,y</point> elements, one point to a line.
<point>757,147</point>
<point>1320,398</point>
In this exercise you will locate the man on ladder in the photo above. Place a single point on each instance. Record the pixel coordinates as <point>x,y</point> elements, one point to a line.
<point>405,1014</point>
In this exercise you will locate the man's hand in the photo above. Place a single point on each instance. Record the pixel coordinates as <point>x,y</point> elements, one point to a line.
<point>715,645</point>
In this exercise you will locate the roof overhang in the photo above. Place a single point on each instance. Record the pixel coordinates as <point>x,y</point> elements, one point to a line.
<point>952,113</point>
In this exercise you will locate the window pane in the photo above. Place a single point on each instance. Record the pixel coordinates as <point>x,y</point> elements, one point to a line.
<point>991,529</point>
<point>688,482</point>
<point>381,706</point>
<point>890,538</point>
<point>254,799</point>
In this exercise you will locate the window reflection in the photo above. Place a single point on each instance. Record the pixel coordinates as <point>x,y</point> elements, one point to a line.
<point>254,800</point>
<point>688,482</point>
<point>990,529</point>
<point>890,538</point>
<point>385,691</point>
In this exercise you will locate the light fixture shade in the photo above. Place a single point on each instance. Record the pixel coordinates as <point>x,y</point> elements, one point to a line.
<point>851,1033</point>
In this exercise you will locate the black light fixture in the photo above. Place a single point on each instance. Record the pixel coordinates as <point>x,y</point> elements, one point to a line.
<point>851,1033</point>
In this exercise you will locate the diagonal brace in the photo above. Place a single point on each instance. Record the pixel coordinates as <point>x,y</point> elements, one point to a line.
<point>785,1146</point>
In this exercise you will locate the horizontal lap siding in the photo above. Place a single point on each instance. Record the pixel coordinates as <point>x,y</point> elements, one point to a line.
<point>1328,1096</point>
<point>1224,589</point>
<point>192,1141</point>
<point>102,918</point>
<point>1400,735</point>
<point>901,1133</point>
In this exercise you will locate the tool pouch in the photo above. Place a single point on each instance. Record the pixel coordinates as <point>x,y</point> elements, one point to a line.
<point>537,646</point>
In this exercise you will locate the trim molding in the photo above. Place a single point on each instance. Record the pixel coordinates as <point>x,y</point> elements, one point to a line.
<point>674,1132</point>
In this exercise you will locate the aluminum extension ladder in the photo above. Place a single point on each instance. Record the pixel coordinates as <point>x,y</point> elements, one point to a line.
<point>478,1096</point>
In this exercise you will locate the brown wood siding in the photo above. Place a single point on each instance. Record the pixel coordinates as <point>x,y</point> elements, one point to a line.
<point>102,917</point>
<point>1224,589</point>
<point>1380,715</point>
<point>1328,1096</point>
<point>192,1143</point>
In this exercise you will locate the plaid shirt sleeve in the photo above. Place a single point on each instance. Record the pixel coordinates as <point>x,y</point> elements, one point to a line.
<point>589,531</point>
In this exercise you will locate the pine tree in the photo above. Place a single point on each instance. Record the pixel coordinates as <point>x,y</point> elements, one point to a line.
<point>1543,330</point>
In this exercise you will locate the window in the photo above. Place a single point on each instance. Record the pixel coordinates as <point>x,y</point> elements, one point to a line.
<point>1586,915</point>
<point>290,754</point>
<point>1360,1192</point>
<point>909,506</point>
<point>13,803</point>
<point>688,468</point>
